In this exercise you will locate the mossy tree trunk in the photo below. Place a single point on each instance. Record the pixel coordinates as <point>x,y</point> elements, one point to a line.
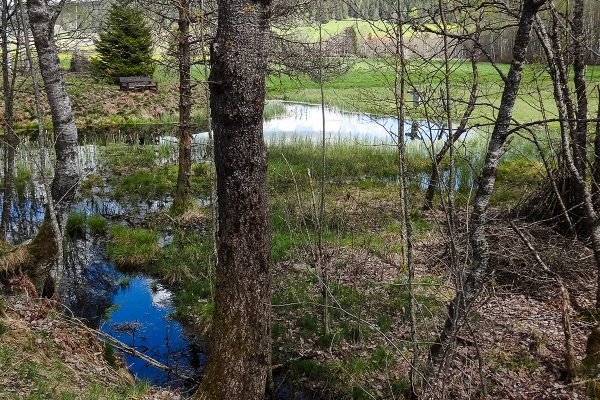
<point>240,343</point>
<point>66,169</point>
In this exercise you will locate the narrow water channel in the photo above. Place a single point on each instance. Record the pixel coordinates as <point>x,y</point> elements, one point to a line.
<point>135,309</point>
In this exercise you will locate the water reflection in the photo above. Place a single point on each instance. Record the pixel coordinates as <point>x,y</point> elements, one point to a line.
<point>305,120</point>
<point>142,320</point>
<point>141,309</point>
<point>134,309</point>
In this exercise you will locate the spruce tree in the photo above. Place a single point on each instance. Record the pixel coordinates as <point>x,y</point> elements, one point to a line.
<point>125,44</point>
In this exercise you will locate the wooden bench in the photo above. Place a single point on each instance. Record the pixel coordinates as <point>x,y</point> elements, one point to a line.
<point>137,83</point>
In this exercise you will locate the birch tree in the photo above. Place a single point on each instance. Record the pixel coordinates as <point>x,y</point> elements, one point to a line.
<point>10,138</point>
<point>39,253</point>
<point>458,309</point>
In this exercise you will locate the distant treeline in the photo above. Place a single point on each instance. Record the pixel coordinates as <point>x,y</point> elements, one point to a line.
<point>372,10</point>
<point>497,38</point>
<point>498,30</point>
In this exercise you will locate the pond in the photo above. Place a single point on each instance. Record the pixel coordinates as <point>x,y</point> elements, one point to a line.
<point>305,120</point>
<point>136,309</point>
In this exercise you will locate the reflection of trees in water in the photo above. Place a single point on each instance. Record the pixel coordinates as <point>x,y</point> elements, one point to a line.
<point>167,343</point>
<point>89,283</point>
<point>89,286</point>
<point>26,216</point>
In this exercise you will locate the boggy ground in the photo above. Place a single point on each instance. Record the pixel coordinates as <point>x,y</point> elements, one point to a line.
<point>514,339</point>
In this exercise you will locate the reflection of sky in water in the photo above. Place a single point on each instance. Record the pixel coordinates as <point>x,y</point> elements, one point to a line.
<point>305,120</point>
<point>142,321</point>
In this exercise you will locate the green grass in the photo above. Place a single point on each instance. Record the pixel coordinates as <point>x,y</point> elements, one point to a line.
<point>187,263</point>
<point>120,157</point>
<point>144,184</point>
<point>290,159</point>
<point>76,225</point>
<point>187,257</point>
<point>124,281</point>
<point>97,224</point>
<point>23,180</point>
<point>132,247</point>
<point>273,110</point>
<point>366,87</point>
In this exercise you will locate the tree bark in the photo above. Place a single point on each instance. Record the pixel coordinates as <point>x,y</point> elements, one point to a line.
<point>182,195</point>
<point>580,135</point>
<point>47,242</point>
<point>590,215</point>
<point>459,307</point>
<point>66,170</point>
<point>240,343</point>
<point>10,138</point>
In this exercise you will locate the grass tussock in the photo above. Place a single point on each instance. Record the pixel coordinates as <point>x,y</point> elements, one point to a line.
<point>132,247</point>
<point>13,258</point>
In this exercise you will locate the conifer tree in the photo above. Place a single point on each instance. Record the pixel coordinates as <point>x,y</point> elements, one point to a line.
<point>125,44</point>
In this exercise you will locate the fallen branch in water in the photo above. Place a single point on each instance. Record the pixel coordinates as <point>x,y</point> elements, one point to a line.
<point>133,352</point>
<point>128,349</point>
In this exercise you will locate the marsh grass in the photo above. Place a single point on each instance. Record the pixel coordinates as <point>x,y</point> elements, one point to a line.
<point>186,257</point>
<point>291,158</point>
<point>76,223</point>
<point>97,224</point>
<point>132,247</point>
<point>23,180</point>
<point>121,157</point>
<point>145,184</point>
<point>186,263</point>
<point>273,110</point>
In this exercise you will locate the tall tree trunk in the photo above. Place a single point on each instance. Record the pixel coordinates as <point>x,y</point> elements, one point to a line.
<point>182,195</point>
<point>460,305</point>
<point>10,138</point>
<point>66,171</point>
<point>240,342</point>
<point>66,175</point>
<point>580,136</point>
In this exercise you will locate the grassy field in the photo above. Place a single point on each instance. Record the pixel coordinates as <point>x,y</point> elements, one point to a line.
<point>368,87</point>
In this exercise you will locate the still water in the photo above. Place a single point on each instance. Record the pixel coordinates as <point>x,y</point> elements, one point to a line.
<point>305,120</point>
<point>137,310</point>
